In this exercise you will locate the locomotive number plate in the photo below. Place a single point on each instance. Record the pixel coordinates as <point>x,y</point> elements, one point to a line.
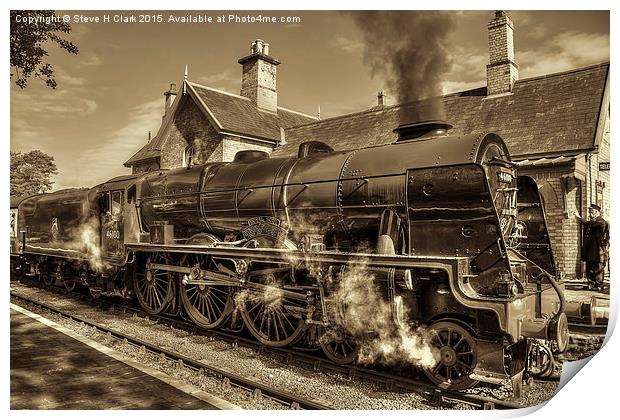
<point>113,234</point>
<point>505,177</point>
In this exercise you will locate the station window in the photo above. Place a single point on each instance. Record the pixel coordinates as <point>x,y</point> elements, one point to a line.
<point>188,156</point>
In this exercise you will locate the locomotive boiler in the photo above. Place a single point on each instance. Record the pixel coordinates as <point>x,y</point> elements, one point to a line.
<point>452,240</point>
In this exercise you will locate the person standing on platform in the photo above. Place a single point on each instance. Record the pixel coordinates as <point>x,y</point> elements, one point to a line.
<point>594,250</point>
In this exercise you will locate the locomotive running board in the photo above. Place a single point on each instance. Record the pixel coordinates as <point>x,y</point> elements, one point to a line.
<point>275,254</point>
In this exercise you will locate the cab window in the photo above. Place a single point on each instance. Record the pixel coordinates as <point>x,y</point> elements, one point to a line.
<point>104,203</point>
<point>117,202</point>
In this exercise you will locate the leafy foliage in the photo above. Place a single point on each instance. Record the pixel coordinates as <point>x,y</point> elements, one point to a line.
<point>30,30</point>
<point>31,172</point>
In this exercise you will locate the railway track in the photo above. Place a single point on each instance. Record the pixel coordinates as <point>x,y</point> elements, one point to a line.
<point>389,382</point>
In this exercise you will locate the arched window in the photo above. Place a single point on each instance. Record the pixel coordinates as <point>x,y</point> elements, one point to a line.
<point>188,156</point>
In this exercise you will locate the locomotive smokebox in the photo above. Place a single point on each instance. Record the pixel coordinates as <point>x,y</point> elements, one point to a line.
<point>422,130</point>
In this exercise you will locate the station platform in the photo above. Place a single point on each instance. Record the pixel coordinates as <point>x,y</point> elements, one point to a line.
<point>577,291</point>
<point>54,368</point>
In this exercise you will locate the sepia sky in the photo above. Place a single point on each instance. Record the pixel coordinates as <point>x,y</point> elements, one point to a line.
<point>111,94</point>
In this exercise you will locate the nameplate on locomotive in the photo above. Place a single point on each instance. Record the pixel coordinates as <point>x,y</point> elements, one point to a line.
<point>264,226</point>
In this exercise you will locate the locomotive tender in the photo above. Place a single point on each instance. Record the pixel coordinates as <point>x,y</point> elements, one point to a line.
<point>453,239</point>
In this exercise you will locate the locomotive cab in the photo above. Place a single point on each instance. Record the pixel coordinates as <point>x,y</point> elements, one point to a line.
<point>111,222</point>
<point>118,216</point>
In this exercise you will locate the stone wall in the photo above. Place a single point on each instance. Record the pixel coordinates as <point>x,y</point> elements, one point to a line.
<point>231,145</point>
<point>145,166</point>
<point>190,127</point>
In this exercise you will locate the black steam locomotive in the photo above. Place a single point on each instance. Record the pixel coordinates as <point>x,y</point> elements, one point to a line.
<point>446,242</point>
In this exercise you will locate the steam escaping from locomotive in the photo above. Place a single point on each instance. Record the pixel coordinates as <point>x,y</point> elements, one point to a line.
<point>362,311</point>
<point>272,296</point>
<point>407,49</point>
<point>86,236</point>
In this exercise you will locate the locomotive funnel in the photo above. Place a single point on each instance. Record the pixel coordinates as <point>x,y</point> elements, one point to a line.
<point>422,130</point>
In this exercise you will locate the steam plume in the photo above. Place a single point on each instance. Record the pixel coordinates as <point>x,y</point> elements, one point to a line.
<point>407,49</point>
<point>85,237</point>
<point>363,310</point>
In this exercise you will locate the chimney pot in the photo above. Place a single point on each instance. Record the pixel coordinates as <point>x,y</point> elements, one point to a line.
<point>259,46</point>
<point>169,95</point>
<point>380,98</point>
<point>266,48</point>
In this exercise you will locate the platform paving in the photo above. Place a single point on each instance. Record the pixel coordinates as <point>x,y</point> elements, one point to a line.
<point>53,370</point>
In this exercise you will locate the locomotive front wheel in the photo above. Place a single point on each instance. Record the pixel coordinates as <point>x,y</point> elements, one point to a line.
<point>540,360</point>
<point>338,348</point>
<point>207,306</point>
<point>457,356</point>
<point>274,320</point>
<point>153,287</point>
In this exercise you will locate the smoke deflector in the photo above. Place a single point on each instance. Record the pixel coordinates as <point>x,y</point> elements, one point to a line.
<point>422,130</point>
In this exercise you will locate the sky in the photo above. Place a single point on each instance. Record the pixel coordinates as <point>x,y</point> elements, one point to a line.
<point>110,95</point>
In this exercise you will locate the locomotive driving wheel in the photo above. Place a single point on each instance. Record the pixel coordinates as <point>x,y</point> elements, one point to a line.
<point>153,286</point>
<point>70,283</point>
<point>275,320</point>
<point>271,315</point>
<point>46,275</point>
<point>47,279</point>
<point>458,356</point>
<point>208,306</point>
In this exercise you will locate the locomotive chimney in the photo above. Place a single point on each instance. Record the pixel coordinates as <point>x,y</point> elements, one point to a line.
<point>170,94</point>
<point>422,130</point>
<point>258,77</point>
<point>502,72</point>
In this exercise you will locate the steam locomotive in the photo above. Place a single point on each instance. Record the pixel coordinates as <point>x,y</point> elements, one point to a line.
<point>440,232</point>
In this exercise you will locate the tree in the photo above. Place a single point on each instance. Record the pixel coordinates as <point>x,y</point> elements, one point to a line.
<point>31,172</point>
<point>30,29</point>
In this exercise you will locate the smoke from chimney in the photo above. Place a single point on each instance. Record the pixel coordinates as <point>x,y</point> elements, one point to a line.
<point>407,49</point>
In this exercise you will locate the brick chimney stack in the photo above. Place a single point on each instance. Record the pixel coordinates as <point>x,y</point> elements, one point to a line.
<point>502,72</point>
<point>170,94</point>
<point>258,77</point>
